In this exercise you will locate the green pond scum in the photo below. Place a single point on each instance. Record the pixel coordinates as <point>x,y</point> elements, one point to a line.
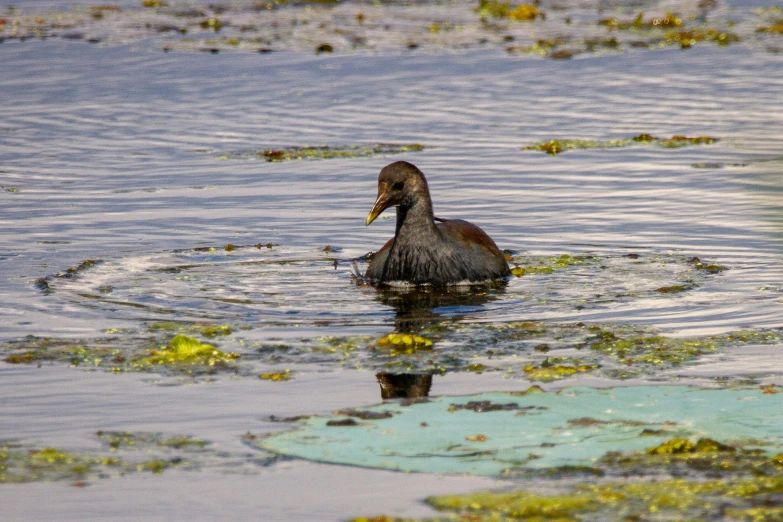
<point>556,146</point>
<point>324,152</point>
<point>551,264</point>
<point>187,351</point>
<point>20,463</point>
<point>639,431</point>
<point>144,441</point>
<point>750,499</point>
<point>125,352</point>
<point>122,453</point>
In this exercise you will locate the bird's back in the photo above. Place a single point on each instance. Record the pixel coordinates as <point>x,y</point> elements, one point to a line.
<point>464,253</point>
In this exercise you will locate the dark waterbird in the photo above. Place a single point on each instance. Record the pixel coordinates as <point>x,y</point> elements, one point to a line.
<point>421,251</point>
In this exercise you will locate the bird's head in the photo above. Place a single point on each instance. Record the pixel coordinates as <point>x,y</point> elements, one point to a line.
<point>399,184</point>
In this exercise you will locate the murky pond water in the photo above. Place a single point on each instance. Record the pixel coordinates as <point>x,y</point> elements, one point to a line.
<point>138,203</point>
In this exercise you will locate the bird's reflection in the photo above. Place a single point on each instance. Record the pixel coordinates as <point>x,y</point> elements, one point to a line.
<point>418,308</point>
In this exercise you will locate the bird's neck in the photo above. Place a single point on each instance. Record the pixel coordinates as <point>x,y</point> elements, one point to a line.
<point>415,223</point>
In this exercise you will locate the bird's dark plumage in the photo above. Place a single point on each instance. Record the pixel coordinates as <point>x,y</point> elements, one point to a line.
<point>421,251</point>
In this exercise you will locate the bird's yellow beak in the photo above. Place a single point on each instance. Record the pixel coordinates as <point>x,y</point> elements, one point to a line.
<point>380,205</point>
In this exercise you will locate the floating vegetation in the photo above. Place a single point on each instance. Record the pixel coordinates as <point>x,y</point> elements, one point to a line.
<point>675,142</point>
<point>607,429</point>
<point>675,33</point>
<point>324,152</point>
<point>687,38</point>
<point>664,22</point>
<point>45,283</point>
<point>20,464</point>
<point>498,9</point>
<point>207,330</point>
<point>186,351</point>
<point>551,264</point>
<point>116,440</point>
<point>554,370</point>
<point>774,28</point>
<point>262,27</point>
<point>658,349</point>
<point>276,376</point>
<point>182,355</point>
<point>554,147</point>
<point>404,343</point>
<point>740,499</point>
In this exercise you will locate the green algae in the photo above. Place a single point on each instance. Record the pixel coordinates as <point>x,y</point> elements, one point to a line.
<point>675,32</point>
<point>184,350</point>
<point>676,142</point>
<point>20,464</point>
<point>45,283</point>
<point>745,483</point>
<point>631,348</point>
<point>144,441</point>
<point>556,146</point>
<point>551,264</point>
<point>663,22</point>
<point>181,355</point>
<point>207,330</point>
<point>687,38</point>
<point>555,370</point>
<point>324,152</point>
<point>648,431</point>
<point>773,28</point>
<point>265,26</point>
<point>276,376</point>
<point>499,9</point>
<point>662,500</point>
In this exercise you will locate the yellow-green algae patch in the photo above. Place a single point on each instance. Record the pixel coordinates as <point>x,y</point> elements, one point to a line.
<point>660,500</point>
<point>554,369</point>
<point>117,440</point>
<point>401,343</point>
<point>276,376</point>
<point>498,9</point>
<point>184,350</point>
<point>207,330</point>
<point>631,348</point>
<point>324,152</point>
<point>556,146</point>
<point>551,264</point>
<point>20,464</point>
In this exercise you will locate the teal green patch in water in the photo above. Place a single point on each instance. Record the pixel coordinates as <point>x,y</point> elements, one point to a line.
<point>534,430</point>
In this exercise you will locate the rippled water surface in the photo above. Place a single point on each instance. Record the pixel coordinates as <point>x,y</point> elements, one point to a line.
<point>137,162</point>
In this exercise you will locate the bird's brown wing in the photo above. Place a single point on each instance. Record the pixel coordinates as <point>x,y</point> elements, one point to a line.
<point>469,237</point>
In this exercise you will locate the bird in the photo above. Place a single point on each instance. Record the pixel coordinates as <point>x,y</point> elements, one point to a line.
<point>423,252</point>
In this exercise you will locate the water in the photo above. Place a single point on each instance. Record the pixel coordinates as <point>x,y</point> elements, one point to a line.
<point>112,153</point>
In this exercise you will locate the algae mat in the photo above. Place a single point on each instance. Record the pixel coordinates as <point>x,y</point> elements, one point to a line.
<point>497,433</point>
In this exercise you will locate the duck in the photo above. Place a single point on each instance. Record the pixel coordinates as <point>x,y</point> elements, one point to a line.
<point>426,250</point>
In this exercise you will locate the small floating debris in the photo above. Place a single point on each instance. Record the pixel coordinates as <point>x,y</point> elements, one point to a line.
<point>324,152</point>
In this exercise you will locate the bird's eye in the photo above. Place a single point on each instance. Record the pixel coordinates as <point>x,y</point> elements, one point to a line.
<point>399,185</point>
